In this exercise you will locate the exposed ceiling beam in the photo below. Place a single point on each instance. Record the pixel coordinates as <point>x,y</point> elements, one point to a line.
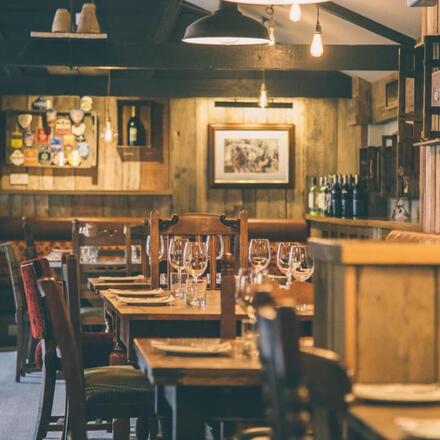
<point>164,26</point>
<point>367,23</point>
<point>300,84</point>
<point>189,57</point>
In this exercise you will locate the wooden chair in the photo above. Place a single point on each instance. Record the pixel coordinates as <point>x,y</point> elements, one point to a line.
<point>117,392</point>
<point>25,346</point>
<point>30,250</point>
<point>95,349</point>
<point>199,227</point>
<point>136,235</point>
<point>298,385</point>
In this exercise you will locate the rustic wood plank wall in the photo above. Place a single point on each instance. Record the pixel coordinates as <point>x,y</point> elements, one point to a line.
<point>325,142</point>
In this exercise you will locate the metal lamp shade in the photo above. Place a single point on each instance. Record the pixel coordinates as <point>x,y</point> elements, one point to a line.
<point>227,26</point>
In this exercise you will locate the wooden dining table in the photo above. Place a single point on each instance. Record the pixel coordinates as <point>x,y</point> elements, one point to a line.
<point>176,320</point>
<point>197,389</point>
<point>95,284</point>
<point>373,421</point>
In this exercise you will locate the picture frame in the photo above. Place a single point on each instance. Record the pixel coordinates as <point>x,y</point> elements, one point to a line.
<point>251,155</point>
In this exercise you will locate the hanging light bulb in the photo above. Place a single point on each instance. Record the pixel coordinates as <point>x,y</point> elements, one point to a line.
<point>295,12</point>
<point>317,48</point>
<point>108,133</point>
<point>263,100</point>
<point>271,25</point>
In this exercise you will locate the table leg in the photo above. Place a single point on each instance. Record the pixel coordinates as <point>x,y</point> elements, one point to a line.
<point>187,420</point>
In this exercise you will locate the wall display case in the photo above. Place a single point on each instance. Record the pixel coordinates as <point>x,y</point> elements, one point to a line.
<point>51,139</point>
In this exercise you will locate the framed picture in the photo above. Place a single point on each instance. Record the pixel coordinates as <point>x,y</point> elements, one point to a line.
<point>258,155</point>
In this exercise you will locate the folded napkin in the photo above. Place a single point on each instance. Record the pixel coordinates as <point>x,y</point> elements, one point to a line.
<point>122,279</point>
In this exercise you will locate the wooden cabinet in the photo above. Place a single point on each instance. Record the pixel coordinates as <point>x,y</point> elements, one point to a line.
<point>377,306</point>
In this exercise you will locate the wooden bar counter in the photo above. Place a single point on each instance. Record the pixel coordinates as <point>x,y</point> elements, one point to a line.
<point>373,229</point>
<point>377,304</point>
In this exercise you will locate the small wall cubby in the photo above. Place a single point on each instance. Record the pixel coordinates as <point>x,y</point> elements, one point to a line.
<point>150,119</point>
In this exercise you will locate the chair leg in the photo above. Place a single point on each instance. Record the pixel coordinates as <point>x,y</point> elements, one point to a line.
<point>48,380</point>
<point>143,429</point>
<point>20,349</point>
<point>121,429</point>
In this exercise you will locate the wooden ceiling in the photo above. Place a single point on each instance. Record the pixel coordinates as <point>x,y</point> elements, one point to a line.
<point>145,52</point>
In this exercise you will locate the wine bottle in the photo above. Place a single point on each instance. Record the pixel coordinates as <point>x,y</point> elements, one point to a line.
<point>328,197</point>
<point>133,131</point>
<point>320,198</point>
<point>346,197</point>
<point>311,197</point>
<point>356,197</point>
<point>335,192</point>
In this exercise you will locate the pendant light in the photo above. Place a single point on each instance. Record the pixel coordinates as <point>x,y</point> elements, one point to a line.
<point>271,25</point>
<point>263,101</point>
<point>317,48</point>
<point>226,26</point>
<point>108,133</point>
<point>295,12</point>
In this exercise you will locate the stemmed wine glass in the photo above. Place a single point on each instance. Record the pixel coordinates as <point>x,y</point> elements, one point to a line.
<point>195,257</point>
<point>245,290</point>
<point>161,247</point>
<point>283,259</point>
<point>175,258</point>
<point>259,253</point>
<point>218,242</point>
<point>302,264</point>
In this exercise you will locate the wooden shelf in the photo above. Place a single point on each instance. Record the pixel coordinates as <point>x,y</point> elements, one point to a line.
<point>166,192</point>
<point>365,223</point>
<point>68,36</point>
<point>428,143</point>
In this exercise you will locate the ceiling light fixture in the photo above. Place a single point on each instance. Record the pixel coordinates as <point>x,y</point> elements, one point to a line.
<point>263,100</point>
<point>108,133</point>
<point>317,48</point>
<point>226,26</point>
<point>295,12</point>
<point>271,25</point>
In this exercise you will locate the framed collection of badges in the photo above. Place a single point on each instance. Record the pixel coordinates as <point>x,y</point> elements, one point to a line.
<point>51,139</point>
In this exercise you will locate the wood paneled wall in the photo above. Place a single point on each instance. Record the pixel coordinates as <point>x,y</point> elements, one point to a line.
<point>325,143</point>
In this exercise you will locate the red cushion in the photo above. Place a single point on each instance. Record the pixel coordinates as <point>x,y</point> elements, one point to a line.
<point>30,272</point>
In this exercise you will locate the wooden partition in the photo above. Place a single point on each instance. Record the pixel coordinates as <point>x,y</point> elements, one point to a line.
<point>377,304</point>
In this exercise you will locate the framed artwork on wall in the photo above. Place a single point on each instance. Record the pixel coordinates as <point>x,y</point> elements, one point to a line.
<point>251,155</point>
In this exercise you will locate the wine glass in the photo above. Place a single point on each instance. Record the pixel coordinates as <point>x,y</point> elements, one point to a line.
<point>259,253</point>
<point>245,290</point>
<point>161,247</point>
<point>302,263</point>
<point>218,243</point>
<point>175,258</point>
<point>283,259</point>
<point>195,257</point>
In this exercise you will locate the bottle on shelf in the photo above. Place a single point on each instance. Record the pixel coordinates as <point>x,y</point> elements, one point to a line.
<point>321,197</point>
<point>312,197</point>
<point>357,205</point>
<point>134,129</point>
<point>335,193</point>
<point>346,197</point>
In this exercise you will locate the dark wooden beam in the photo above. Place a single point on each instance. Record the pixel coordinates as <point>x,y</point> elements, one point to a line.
<point>186,57</point>
<point>300,84</point>
<point>170,10</point>
<point>367,23</point>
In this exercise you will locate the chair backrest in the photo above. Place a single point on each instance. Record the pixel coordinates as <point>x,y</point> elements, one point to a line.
<point>71,287</point>
<point>296,382</point>
<point>136,235</point>
<point>30,272</point>
<point>104,235</point>
<point>10,251</point>
<point>30,250</point>
<point>200,226</point>
<point>61,334</point>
